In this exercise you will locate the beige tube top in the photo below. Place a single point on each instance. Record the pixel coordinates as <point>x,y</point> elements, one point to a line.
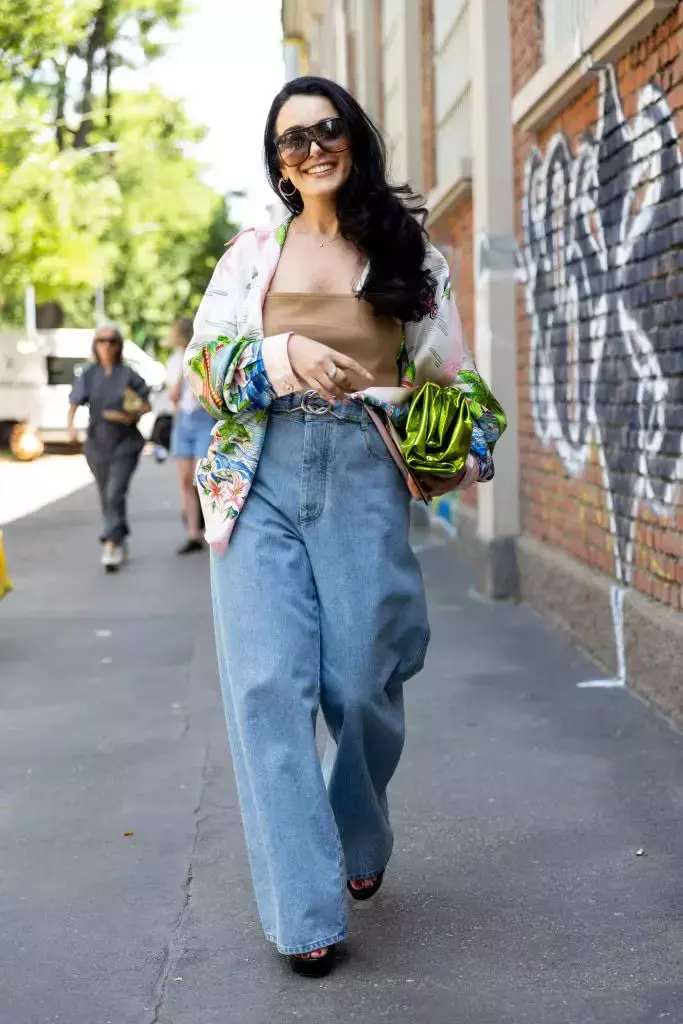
<point>343,322</point>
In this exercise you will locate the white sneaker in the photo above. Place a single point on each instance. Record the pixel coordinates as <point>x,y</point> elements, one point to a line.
<point>112,557</point>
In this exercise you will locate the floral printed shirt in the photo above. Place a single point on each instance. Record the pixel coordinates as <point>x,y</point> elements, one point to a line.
<point>236,372</point>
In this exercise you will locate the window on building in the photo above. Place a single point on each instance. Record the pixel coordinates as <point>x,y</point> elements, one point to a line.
<point>64,370</point>
<point>562,19</point>
<point>452,94</point>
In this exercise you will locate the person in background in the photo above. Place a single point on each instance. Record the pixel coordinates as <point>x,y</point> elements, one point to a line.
<point>190,437</point>
<point>117,397</point>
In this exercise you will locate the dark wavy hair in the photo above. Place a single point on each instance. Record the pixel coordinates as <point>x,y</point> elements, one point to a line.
<point>385,222</point>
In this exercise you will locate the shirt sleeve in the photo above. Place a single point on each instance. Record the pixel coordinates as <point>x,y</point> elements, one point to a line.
<point>80,392</point>
<point>174,368</point>
<point>275,353</point>
<point>436,351</point>
<point>434,345</point>
<point>224,362</point>
<point>139,386</point>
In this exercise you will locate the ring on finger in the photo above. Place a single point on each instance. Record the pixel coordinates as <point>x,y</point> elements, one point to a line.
<point>333,372</point>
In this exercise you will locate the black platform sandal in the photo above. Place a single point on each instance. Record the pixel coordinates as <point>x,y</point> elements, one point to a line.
<point>368,892</point>
<point>314,967</point>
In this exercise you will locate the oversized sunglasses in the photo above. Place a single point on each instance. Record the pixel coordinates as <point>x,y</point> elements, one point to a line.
<point>294,146</point>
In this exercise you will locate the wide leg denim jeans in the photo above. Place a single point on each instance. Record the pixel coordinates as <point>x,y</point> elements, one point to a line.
<point>318,605</point>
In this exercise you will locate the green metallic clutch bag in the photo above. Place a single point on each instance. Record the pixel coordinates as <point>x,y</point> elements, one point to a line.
<point>438,431</point>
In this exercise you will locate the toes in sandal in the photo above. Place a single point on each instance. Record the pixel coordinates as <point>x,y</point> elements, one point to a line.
<point>314,967</point>
<point>368,892</point>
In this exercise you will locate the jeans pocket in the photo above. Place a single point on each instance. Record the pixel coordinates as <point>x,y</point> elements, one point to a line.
<point>373,441</point>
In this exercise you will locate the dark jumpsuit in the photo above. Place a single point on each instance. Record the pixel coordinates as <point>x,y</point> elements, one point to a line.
<point>112,449</point>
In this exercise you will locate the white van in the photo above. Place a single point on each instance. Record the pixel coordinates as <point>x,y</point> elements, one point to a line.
<point>37,372</point>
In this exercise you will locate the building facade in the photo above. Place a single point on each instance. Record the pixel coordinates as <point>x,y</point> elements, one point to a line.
<point>597,97</point>
<point>545,137</point>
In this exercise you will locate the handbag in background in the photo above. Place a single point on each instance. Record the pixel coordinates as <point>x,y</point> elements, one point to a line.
<point>131,402</point>
<point>161,431</point>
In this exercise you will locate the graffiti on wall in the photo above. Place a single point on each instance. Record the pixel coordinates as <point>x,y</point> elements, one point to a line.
<point>602,230</point>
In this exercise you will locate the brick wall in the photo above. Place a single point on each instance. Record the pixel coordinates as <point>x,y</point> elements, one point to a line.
<point>526,35</point>
<point>599,197</point>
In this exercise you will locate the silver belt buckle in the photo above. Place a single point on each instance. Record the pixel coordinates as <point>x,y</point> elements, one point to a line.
<point>321,407</point>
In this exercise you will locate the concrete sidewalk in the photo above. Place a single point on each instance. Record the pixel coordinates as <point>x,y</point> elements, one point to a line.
<point>516,893</point>
<point>26,487</point>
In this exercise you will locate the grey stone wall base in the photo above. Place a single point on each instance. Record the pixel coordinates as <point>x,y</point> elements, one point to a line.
<point>654,652</point>
<point>494,561</point>
<point>571,596</point>
<point>577,600</point>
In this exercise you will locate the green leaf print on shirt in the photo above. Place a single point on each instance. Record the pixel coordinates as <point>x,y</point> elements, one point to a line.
<point>229,434</point>
<point>281,234</point>
<point>483,401</point>
<point>409,376</point>
<point>196,364</point>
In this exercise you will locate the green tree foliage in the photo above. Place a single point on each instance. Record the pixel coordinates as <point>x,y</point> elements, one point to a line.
<point>35,31</point>
<point>98,187</point>
<point>170,225</point>
<point>55,209</point>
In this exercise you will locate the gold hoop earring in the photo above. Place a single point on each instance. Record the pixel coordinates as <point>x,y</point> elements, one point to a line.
<point>286,195</point>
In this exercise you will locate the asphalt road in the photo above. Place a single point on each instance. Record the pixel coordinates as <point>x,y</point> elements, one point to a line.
<point>516,894</point>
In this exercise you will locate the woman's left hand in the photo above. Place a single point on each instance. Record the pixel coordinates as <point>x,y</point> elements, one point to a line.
<point>435,486</point>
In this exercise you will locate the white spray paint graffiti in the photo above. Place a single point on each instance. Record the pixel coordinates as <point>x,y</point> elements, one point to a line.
<point>599,240</point>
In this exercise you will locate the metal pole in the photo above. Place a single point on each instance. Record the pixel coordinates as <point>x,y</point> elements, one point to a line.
<point>100,316</point>
<point>30,310</point>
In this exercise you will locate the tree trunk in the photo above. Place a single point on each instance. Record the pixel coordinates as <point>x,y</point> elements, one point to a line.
<point>109,66</point>
<point>96,41</point>
<point>61,104</point>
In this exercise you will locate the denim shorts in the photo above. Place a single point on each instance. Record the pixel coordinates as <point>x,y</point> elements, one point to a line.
<point>191,434</point>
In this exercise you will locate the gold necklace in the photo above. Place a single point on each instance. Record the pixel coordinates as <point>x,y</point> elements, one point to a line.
<point>326,241</point>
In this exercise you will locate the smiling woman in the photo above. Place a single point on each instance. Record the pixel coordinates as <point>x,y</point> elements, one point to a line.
<point>323,153</point>
<point>318,598</point>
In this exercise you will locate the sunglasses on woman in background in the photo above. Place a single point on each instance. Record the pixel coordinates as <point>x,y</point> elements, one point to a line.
<point>295,145</point>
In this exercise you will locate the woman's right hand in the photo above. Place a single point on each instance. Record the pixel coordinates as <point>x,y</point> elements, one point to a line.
<point>118,416</point>
<point>326,371</point>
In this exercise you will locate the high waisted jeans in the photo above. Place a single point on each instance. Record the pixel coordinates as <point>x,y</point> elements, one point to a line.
<point>318,604</point>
